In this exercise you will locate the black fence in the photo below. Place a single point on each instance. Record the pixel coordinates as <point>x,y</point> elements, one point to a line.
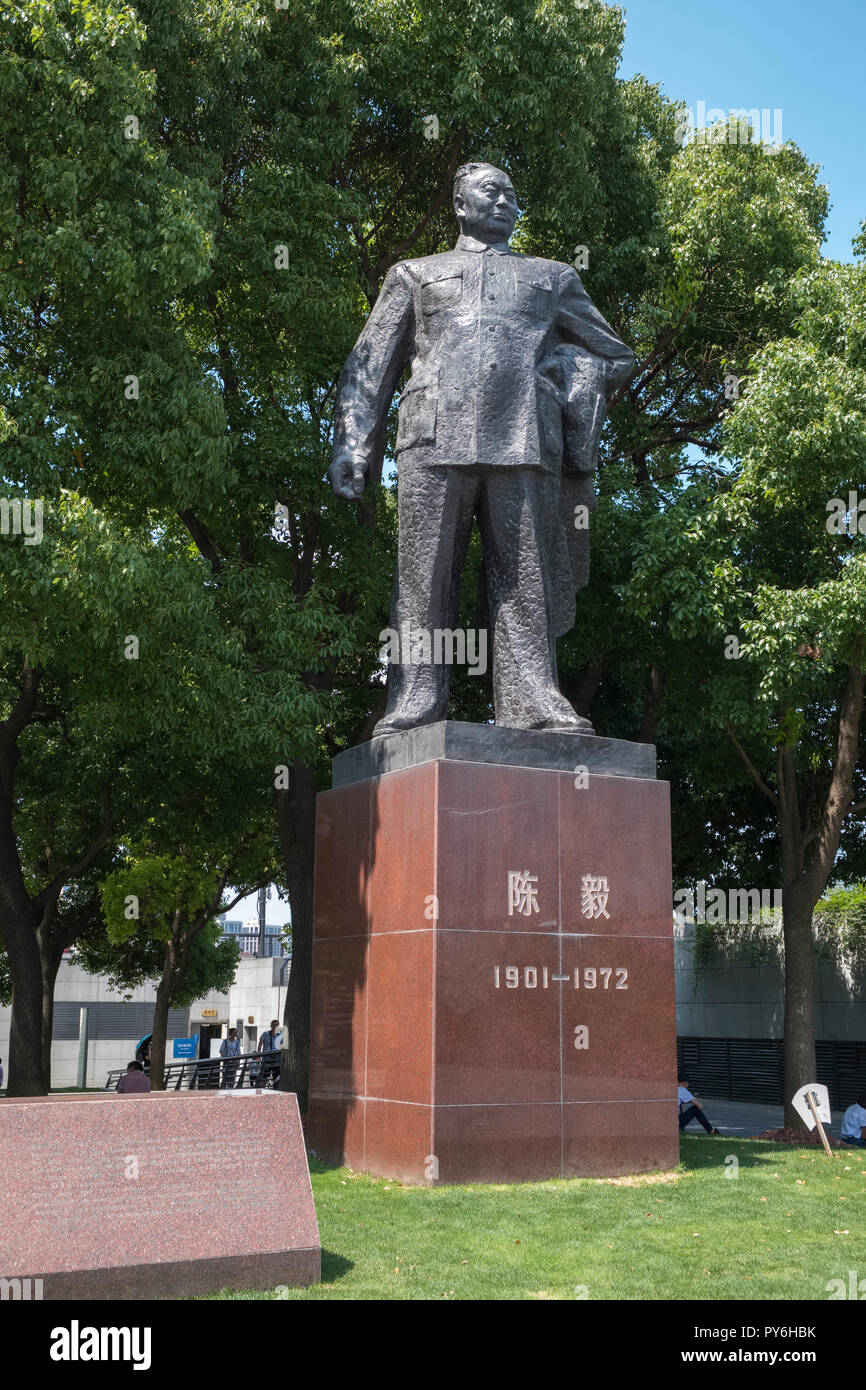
<point>251,1069</point>
<point>752,1069</point>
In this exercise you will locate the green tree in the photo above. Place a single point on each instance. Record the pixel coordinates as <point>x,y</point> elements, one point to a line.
<point>114,422</point>
<point>165,903</point>
<point>110,653</point>
<point>135,961</point>
<point>756,573</point>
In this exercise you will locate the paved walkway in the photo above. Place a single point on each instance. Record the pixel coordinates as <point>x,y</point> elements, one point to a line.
<point>743,1118</point>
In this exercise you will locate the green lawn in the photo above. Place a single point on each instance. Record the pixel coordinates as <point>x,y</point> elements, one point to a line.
<point>776,1231</point>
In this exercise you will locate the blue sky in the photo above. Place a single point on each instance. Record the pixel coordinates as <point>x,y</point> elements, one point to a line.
<point>804,57</point>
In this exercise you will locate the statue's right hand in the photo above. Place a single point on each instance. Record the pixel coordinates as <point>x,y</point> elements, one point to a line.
<point>348,475</point>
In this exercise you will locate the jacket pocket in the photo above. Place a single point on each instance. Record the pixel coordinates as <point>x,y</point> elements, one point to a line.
<point>419,404</point>
<point>535,297</point>
<point>442,292</point>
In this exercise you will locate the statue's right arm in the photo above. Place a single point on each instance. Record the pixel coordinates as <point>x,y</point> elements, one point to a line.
<point>368,382</point>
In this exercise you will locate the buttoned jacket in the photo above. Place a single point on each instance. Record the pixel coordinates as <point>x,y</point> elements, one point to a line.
<point>511,363</point>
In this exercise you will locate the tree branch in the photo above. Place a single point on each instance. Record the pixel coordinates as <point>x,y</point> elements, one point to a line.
<point>81,866</point>
<point>838,802</point>
<point>752,770</point>
<point>202,537</point>
<point>245,893</point>
<point>22,711</point>
<point>385,262</point>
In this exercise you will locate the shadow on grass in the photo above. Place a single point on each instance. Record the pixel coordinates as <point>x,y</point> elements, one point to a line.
<point>319,1166</point>
<point>699,1153</point>
<point>335,1266</point>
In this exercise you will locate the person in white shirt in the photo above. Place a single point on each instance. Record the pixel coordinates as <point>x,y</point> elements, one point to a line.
<point>269,1046</point>
<point>853,1124</point>
<point>691,1108</point>
<point>230,1048</point>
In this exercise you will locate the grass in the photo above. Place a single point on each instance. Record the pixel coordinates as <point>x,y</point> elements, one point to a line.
<point>789,1222</point>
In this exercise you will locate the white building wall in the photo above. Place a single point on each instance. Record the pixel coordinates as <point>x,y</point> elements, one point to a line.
<point>256,993</point>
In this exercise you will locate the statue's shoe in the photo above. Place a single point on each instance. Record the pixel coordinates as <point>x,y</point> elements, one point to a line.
<point>550,712</point>
<point>558,725</point>
<point>563,724</point>
<point>398,723</point>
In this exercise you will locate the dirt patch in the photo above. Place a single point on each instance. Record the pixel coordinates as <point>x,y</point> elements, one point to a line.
<point>642,1179</point>
<point>796,1136</point>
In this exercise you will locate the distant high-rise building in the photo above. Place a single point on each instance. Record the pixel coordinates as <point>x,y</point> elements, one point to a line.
<point>246,934</point>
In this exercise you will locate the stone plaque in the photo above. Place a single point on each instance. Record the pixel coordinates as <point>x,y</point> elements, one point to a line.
<point>156,1195</point>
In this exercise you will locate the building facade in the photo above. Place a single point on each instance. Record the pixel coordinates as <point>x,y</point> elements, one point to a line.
<point>115,1024</point>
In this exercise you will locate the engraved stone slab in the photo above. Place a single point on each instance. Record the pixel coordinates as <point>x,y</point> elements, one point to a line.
<point>156,1195</point>
<point>489,743</point>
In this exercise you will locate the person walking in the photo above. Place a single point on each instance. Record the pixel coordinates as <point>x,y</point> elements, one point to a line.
<point>230,1048</point>
<point>269,1046</point>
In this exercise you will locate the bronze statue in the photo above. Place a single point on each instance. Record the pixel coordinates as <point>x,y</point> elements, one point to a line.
<point>512,365</point>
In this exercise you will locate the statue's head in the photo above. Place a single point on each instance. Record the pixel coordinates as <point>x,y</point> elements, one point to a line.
<point>485,203</point>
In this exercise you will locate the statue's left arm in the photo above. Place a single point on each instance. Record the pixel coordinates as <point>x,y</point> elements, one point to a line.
<point>579,321</point>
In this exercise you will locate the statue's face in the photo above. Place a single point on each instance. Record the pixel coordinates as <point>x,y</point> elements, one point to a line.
<point>486,205</point>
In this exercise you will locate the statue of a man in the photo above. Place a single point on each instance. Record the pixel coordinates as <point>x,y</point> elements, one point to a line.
<point>500,419</point>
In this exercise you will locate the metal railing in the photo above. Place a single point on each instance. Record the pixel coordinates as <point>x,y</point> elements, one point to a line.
<point>251,1069</point>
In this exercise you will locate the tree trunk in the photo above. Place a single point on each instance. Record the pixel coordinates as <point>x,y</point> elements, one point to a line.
<point>18,923</point>
<point>800,1067</point>
<point>652,703</point>
<point>50,956</point>
<point>160,1022</point>
<point>808,856</point>
<point>26,1074</point>
<point>296,812</point>
<point>584,693</point>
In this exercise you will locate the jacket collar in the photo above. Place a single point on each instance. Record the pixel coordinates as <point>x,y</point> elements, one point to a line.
<point>471,243</point>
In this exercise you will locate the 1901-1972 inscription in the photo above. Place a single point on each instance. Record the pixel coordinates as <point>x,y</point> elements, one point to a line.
<point>534,977</point>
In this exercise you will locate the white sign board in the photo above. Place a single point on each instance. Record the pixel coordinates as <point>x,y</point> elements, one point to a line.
<point>820,1096</point>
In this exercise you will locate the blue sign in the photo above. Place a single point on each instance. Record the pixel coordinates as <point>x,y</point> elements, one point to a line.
<point>185,1047</point>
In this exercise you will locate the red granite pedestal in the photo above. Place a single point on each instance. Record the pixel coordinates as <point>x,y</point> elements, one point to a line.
<point>493,977</point>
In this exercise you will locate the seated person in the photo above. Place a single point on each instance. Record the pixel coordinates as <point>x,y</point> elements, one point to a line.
<point>135,1079</point>
<point>691,1108</point>
<point>854,1123</point>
